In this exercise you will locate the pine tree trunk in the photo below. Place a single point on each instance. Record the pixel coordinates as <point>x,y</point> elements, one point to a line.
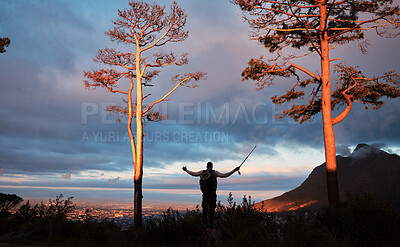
<point>138,171</point>
<point>137,207</point>
<point>329,136</point>
<point>137,178</point>
<point>138,195</point>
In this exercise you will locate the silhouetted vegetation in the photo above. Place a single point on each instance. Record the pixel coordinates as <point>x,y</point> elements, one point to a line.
<point>361,220</point>
<point>4,42</point>
<point>7,202</point>
<point>40,222</point>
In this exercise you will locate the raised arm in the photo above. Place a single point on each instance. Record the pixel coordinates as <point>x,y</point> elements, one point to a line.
<point>195,174</point>
<point>225,175</point>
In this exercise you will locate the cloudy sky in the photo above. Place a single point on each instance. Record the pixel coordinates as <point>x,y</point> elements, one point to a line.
<point>56,138</point>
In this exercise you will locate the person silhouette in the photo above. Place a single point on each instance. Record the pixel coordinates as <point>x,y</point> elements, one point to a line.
<point>208,186</point>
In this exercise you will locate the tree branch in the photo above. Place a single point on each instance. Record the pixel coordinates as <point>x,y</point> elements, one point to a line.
<point>165,96</point>
<point>346,111</point>
<point>155,42</point>
<point>356,27</point>
<point>305,71</point>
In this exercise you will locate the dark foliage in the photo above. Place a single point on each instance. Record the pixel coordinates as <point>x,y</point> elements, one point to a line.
<point>7,202</point>
<point>172,228</point>
<point>40,222</point>
<point>361,220</point>
<point>4,42</point>
<point>242,224</point>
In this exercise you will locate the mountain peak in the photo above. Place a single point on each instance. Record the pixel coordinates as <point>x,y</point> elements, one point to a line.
<point>362,145</point>
<point>364,150</point>
<point>368,169</point>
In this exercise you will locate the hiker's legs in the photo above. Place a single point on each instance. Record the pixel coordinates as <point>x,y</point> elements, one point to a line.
<point>209,204</point>
<point>211,213</point>
<point>212,206</point>
<point>205,206</point>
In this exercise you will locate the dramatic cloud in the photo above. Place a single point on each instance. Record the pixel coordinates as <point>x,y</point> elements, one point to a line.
<point>67,176</point>
<point>343,150</point>
<point>114,180</point>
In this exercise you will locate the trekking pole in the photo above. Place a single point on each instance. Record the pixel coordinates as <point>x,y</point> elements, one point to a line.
<point>246,159</point>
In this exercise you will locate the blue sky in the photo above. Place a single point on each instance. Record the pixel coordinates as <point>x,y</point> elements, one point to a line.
<point>56,138</point>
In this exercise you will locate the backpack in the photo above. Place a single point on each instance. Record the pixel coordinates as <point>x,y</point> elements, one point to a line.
<point>208,181</point>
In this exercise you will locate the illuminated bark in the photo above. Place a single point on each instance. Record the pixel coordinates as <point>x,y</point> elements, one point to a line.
<point>329,136</point>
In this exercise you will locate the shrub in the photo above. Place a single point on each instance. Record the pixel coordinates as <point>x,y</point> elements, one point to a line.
<point>243,225</point>
<point>172,228</point>
<point>42,221</point>
<point>360,220</point>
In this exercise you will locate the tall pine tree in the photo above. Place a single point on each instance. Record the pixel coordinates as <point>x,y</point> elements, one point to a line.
<point>141,27</point>
<point>296,29</point>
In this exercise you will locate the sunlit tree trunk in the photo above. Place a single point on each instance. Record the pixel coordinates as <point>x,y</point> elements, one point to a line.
<point>137,182</point>
<point>138,165</point>
<point>329,136</point>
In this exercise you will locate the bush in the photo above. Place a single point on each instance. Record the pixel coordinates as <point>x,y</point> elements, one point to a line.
<point>172,228</point>
<point>42,222</point>
<point>93,232</point>
<point>361,220</point>
<point>242,225</point>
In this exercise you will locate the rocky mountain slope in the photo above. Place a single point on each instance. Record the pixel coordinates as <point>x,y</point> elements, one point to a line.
<point>367,169</point>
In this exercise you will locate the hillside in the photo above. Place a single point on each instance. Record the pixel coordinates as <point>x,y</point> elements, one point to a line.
<point>367,169</point>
